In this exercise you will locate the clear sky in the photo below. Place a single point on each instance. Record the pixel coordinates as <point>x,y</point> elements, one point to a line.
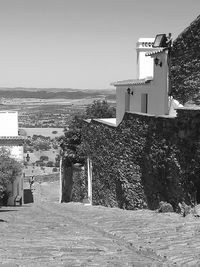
<point>81,43</point>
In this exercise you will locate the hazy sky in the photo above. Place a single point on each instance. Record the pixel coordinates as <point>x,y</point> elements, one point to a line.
<point>81,43</point>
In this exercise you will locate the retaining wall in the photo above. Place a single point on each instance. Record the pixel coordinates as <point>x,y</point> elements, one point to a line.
<point>145,160</point>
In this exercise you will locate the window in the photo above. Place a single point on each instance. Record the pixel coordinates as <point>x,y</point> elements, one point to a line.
<point>144,103</point>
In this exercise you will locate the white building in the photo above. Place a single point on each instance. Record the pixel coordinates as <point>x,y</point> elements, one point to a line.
<point>149,92</point>
<point>144,65</point>
<point>10,140</point>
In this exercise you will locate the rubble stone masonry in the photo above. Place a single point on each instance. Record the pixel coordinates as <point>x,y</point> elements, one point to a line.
<point>145,160</point>
<point>185,63</point>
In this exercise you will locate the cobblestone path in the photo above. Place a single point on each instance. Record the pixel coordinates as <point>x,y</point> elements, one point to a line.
<point>46,233</point>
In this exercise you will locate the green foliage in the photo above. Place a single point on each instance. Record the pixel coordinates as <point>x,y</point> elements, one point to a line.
<point>145,160</point>
<point>40,163</point>
<point>55,146</point>
<point>44,158</point>
<point>72,142</point>
<point>162,171</point>
<point>9,168</point>
<point>185,65</point>
<point>42,145</point>
<point>57,161</point>
<point>73,134</point>
<point>37,142</point>
<point>100,109</point>
<point>50,164</point>
<point>40,137</point>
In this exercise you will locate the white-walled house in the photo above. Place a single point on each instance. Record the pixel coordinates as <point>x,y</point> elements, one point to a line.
<point>144,65</point>
<point>10,140</point>
<point>149,93</point>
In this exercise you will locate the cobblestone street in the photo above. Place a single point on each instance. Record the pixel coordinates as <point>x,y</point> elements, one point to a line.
<point>46,233</point>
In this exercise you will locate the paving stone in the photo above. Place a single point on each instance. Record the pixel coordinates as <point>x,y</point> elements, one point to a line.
<point>47,233</point>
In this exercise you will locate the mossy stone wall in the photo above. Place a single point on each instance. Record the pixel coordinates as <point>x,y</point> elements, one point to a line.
<point>145,160</point>
<point>185,64</point>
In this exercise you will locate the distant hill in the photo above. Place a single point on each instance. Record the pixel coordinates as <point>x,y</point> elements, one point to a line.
<point>54,93</point>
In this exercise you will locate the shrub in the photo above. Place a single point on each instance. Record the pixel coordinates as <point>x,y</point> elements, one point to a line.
<point>9,169</point>
<point>50,164</point>
<point>44,158</point>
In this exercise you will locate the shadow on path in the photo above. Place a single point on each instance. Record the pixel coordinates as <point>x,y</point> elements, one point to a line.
<point>6,210</point>
<point>28,196</point>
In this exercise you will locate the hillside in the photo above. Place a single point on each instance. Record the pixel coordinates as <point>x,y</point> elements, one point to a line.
<point>55,93</point>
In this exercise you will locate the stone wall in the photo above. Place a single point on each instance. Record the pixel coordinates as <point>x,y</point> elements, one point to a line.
<point>79,188</point>
<point>145,160</point>
<point>185,64</point>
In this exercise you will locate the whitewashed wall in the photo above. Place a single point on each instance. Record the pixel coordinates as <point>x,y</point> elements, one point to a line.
<point>8,123</point>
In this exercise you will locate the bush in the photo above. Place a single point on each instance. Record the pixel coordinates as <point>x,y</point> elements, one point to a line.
<point>54,169</point>
<point>50,164</point>
<point>40,163</point>
<point>100,109</point>
<point>44,158</point>
<point>9,170</point>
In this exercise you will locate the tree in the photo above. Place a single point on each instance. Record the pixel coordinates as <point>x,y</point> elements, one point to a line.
<point>44,158</point>
<point>72,143</point>
<point>100,109</point>
<point>9,169</point>
<point>72,139</point>
<point>50,164</point>
<point>57,160</point>
<point>42,145</point>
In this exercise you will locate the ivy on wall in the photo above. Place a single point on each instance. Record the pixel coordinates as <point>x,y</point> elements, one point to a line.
<point>149,159</point>
<point>144,160</point>
<point>185,64</point>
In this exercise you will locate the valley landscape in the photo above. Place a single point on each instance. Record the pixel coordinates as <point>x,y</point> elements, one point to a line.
<point>44,108</point>
<point>43,114</point>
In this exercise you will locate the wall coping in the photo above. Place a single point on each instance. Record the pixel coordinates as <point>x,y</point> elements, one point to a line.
<point>101,121</point>
<point>151,115</point>
<point>88,120</point>
<point>113,124</point>
<point>196,108</point>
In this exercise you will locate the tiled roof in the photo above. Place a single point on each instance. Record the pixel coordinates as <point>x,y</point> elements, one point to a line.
<point>155,52</point>
<point>12,137</point>
<point>133,82</point>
